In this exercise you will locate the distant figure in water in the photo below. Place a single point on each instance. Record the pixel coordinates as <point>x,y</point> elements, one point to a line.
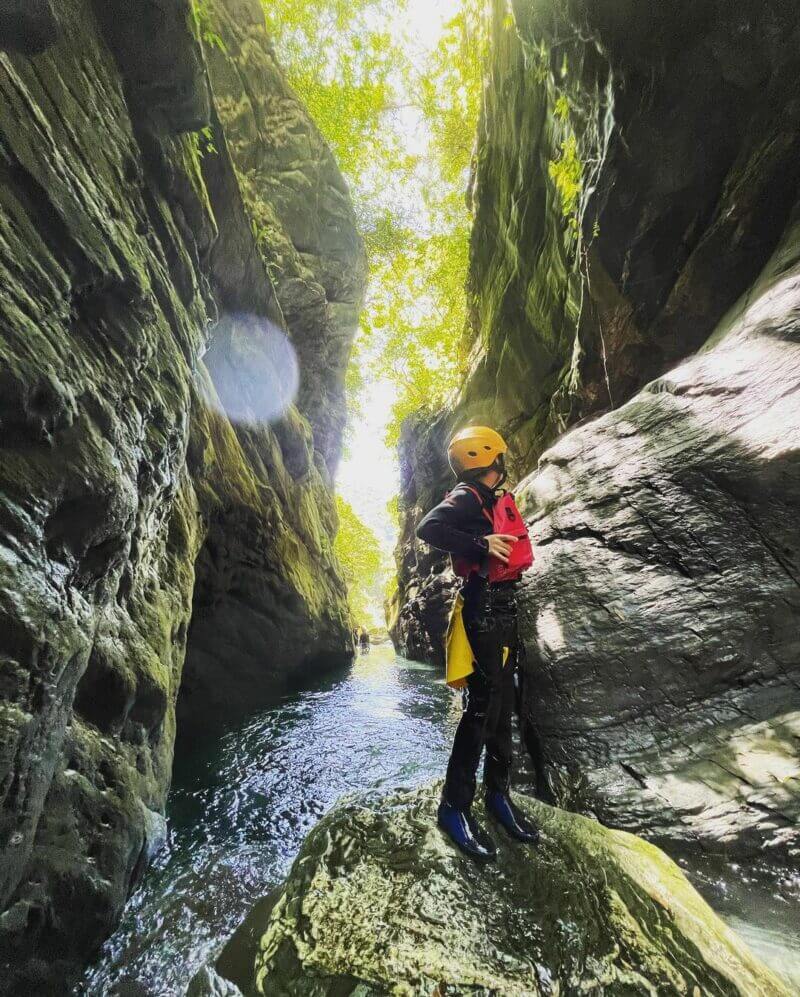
<point>479,525</point>
<point>363,640</point>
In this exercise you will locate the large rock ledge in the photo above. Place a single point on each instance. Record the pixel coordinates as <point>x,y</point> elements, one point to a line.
<point>378,903</point>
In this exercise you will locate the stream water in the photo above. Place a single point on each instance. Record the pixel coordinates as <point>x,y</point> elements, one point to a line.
<point>241,805</point>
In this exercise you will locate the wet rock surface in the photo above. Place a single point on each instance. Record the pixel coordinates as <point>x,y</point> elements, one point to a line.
<point>378,903</point>
<point>661,614</point>
<point>135,497</point>
<point>634,173</point>
<point>27,26</point>
<point>661,622</point>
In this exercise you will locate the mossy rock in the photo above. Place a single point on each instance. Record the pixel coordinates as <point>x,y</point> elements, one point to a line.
<point>378,902</point>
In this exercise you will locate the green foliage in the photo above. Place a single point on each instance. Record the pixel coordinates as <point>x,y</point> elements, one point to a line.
<point>340,59</point>
<point>366,93</point>
<point>561,109</point>
<point>202,143</point>
<point>417,313</point>
<point>450,92</point>
<point>418,308</point>
<point>567,174</point>
<point>201,10</point>
<point>207,134</point>
<point>359,553</point>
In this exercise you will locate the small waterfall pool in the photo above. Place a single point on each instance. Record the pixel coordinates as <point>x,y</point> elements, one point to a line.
<point>241,805</point>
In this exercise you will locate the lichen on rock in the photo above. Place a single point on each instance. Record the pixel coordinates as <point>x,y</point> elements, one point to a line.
<point>377,902</point>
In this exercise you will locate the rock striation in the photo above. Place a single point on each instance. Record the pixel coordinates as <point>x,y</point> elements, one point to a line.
<point>165,500</point>
<point>662,621</point>
<point>378,903</point>
<point>300,213</point>
<point>636,198</point>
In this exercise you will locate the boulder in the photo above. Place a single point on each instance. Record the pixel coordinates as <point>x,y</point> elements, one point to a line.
<point>377,902</point>
<point>661,622</point>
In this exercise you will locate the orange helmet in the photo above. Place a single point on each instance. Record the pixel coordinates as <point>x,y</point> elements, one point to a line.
<point>476,449</point>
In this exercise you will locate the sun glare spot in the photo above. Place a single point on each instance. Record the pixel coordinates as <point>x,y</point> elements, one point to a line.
<point>549,630</point>
<point>254,369</point>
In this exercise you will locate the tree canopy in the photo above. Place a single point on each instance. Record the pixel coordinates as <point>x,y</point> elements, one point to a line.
<point>359,553</point>
<point>401,120</point>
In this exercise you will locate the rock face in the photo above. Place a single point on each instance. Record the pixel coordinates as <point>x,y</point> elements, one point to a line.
<point>661,617</point>
<point>300,210</point>
<point>662,621</point>
<point>635,167</point>
<point>289,251</point>
<point>153,476</point>
<point>378,903</point>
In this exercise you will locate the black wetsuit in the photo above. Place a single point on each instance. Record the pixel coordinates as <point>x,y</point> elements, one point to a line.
<point>458,525</point>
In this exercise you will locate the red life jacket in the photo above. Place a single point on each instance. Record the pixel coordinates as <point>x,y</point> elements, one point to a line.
<point>505,518</point>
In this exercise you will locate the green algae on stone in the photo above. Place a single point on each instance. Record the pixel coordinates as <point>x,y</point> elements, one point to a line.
<point>377,902</point>
<point>134,499</point>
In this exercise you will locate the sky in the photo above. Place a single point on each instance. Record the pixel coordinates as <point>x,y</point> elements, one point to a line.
<point>368,474</point>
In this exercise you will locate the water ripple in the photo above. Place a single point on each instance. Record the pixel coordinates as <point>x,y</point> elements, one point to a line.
<point>240,808</point>
<point>241,805</point>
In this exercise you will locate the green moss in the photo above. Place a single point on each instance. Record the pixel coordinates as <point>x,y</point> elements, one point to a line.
<point>379,898</point>
<point>561,107</point>
<point>202,11</point>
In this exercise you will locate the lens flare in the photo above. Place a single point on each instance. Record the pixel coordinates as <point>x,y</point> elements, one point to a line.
<point>254,368</point>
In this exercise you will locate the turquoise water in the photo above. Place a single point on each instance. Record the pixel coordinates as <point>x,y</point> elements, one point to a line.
<point>241,805</point>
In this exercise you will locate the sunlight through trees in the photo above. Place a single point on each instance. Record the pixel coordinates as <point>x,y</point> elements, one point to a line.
<point>359,553</point>
<point>400,111</point>
<point>396,92</point>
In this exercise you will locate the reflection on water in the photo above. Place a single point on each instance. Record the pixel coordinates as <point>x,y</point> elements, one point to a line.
<point>759,901</point>
<point>241,806</point>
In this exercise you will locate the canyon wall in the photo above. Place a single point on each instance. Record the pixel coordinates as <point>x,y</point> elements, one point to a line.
<point>181,278</point>
<point>635,192</point>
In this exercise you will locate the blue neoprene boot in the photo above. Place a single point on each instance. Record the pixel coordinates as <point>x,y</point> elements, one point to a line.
<point>513,822</point>
<point>463,830</point>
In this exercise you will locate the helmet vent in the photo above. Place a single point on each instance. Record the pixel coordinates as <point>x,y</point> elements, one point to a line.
<point>487,448</point>
<point>473,453</point>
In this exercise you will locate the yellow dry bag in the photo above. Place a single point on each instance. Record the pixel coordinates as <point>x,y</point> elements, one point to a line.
<point>460,661</point>
<point>459,657</point>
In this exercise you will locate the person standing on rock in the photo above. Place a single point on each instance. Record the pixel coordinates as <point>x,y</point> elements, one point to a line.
<point>480,527</point>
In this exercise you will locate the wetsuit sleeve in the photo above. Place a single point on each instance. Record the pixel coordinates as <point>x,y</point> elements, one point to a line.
<point>443,526</point>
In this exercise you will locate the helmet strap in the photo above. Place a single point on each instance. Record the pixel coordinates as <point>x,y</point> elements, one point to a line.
<point>473,474</point>
<point>500,466</point>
